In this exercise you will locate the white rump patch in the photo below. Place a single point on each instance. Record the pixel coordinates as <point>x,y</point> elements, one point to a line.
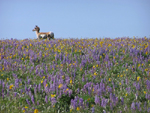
<point>43,35</point>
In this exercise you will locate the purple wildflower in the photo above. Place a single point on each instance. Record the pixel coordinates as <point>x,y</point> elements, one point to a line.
<point>138,105</point>
<point>53,100</point>
<point>7,93</point>
<point>39,87</point>
<point>133,106</point>
<point>128,89</point>
<point>80,102</point>
<point>97,100</point>
<point>35,91</point>
<point>37,102</point>
<point>103,102</point>
<point>46,100</point>
<point>28,102</point>
<point>111,106</point>
<point>15,93</point>
<point>138,86</point>
<point>14,75</point>
<point>93,109</point>
<point>109,89</point>
<point>104,111</point>
<point>145,106</point>
<point>36,71</point>
<point>32,99</point>
<point>21,91</point>
<point>113,98</point>
<point>70,92</point>
<point>26,89</point>
<point>148,109</point>
<point>148,84</point>
<point>3,84</point>
<point>122,100</point>
<point>29,81</point>
<point>89,91</point>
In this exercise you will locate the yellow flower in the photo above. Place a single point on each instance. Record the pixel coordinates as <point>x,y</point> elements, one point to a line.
<point>7,78</point>
<point>36,111</point>
<point>53,95</point>
<point>78,108</point>
<point>126,69</point>
<point>26,107</point>
<point>95,73</point>
<point>43,77</point>
<point>11,86</point>
<point>70,110</point>
<point>67,89</point>
<point>93,66</point>
<point>146,52</point>
<point>42,81</point>
<point>144,92</point>
<point>126,94</point>
<point>97,65</point>
<point>46,85</point>
<point>146,69</point>
<point>70,81</point>
<point>60,85</point>
<point>138,78</point>
<point>123,51</point>
<point>120,83</point>
<point>63,77</point>
<point>109,79</point>
<point>109,45</point>
<point>133,46</point>
<point>23,110</point>
<point>1,74</point>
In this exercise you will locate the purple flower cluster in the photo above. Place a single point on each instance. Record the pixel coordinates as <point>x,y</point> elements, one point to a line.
<point>99,74</point>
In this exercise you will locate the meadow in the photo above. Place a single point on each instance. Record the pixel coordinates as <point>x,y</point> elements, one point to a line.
<point>75,75</point>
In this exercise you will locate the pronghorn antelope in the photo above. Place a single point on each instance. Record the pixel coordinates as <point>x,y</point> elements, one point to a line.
<point>43,35</point>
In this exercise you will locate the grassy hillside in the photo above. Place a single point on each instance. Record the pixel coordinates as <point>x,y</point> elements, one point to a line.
<point>75,75</point>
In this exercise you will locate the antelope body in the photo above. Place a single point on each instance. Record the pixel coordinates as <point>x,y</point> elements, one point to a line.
<point>43,35</point>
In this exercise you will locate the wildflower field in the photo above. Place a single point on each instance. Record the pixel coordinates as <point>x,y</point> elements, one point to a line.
<point>75,75</point>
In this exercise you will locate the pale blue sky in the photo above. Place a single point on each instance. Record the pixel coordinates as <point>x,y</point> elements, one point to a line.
<point>75,18</point>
